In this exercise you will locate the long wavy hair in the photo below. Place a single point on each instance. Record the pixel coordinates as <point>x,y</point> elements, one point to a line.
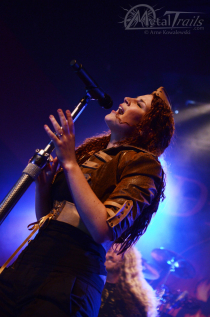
<point>139,297</point>
<point>153,134</point>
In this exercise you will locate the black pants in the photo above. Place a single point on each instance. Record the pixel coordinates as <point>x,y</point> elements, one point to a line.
<point>27,295</point>
<point>37,287</point>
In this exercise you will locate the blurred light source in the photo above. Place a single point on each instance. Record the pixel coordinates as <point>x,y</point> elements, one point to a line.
<point>193,112</point>
<point>190,102</point>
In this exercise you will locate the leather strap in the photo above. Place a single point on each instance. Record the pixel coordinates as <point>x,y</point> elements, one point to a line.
<point>110,212</point>
<point>112,203</point>
<point>90,164</point>
<point>36,225</point>
<point>103,156</point>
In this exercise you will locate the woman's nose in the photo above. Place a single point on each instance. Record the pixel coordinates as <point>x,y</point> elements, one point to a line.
<point>127,100</point>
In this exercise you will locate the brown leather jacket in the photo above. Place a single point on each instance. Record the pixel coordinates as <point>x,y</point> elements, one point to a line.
<point>126,179</point>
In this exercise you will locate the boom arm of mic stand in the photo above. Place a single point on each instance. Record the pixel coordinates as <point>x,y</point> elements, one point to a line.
<point>33,169</point>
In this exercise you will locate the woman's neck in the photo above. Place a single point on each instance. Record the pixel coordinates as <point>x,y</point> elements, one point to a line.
<point>111,144</point>
<point>114,139</point>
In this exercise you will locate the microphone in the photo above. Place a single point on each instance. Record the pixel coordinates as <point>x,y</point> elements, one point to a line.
<point>92,88</point>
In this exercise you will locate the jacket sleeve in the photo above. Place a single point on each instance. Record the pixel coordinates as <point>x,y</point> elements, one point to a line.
<point>139,177</point>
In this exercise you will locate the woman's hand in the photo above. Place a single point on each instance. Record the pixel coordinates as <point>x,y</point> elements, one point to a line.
<point>65,140</point>
<point>44,180</point>
<point>43,203</point>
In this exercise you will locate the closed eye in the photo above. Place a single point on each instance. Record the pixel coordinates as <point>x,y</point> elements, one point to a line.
<point>140,103</point>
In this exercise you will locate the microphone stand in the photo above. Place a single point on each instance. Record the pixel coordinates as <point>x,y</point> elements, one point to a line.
<point>34,168</point>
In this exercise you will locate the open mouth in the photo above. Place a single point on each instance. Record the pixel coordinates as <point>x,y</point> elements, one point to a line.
<point>120,110</point>
<point>109,261</point>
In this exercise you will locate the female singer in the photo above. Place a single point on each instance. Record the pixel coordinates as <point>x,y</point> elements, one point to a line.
<point>105,192</point>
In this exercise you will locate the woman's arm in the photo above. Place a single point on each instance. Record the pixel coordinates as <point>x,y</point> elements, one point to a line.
<point>91,210</point>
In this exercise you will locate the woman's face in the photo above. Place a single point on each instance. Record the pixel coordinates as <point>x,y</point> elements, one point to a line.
<point>128,115</point>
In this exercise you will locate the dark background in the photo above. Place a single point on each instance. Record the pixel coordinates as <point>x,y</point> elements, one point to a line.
<point>38,39</point>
